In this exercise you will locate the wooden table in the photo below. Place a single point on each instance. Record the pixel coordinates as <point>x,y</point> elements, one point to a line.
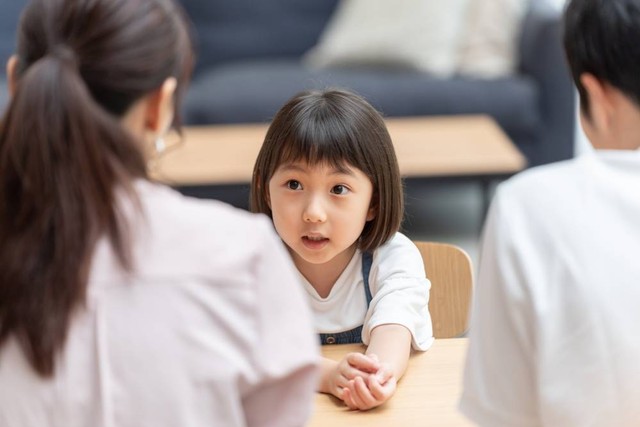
<point>425,146</point>
<point>427,395</point>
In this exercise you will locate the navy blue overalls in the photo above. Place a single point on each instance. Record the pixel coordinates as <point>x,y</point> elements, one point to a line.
<point>353,336</point>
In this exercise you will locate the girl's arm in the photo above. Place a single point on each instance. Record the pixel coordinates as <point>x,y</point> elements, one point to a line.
<point>399,316</point>
<point>392,345</point>
<point>327,377</point>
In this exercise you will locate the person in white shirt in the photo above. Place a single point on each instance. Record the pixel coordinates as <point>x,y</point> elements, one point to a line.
<point>123,303</point>
<point>553,334</point>
<point>327,175</point>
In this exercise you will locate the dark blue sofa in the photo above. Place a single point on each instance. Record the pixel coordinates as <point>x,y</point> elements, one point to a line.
<point>249,64</point>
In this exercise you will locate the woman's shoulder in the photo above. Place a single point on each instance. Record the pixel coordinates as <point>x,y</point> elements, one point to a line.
<point>197,225</point>
<point>177,210</point>
<point>180,240</point>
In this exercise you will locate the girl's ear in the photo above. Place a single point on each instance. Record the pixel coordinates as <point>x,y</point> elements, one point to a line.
<point>371,214</point>
<point>373,208</point>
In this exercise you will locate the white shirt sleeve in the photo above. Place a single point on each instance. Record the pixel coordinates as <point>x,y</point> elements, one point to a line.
<point>286,355</point>
<point>499,380</point>
<point>400,292</point>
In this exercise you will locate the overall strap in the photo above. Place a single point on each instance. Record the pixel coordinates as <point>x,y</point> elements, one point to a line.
<point>367,260</point>
<point>352,336</point>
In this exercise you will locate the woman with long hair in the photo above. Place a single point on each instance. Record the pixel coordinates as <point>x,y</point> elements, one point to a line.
<point>122,302</point>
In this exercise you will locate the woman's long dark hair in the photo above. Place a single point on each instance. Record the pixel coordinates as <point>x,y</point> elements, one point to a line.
<point>64,153</point>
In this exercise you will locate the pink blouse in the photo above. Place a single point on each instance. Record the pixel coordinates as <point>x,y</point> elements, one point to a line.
<point>210,329</point>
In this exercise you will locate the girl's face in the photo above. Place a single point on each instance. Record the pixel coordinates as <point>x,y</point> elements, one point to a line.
<point>319,211</point>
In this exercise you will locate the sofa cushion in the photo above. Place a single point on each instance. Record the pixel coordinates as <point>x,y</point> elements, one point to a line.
<point>410,34</point>
<point>254,91</point>
<point>489,45</point>
<point>229,30</point>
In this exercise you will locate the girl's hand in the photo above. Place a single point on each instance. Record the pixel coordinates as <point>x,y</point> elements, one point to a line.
<point>353,365</point>
<point>364,394</point>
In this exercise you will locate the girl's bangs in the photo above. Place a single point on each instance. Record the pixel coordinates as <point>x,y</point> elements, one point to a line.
<point>323,144</point>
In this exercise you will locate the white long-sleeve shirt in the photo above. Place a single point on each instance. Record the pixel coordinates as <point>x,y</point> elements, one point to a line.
<point>554,330</point>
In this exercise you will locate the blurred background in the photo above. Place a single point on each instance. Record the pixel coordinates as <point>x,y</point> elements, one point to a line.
<point>502,58</point>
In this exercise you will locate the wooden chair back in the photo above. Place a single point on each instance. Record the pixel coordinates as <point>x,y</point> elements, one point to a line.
<point>449,269</point>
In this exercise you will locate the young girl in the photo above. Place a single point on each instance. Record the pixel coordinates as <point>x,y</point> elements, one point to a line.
<point>328,177</point>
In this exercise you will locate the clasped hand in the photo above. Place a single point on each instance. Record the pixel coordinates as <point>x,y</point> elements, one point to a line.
<point>362,381</point>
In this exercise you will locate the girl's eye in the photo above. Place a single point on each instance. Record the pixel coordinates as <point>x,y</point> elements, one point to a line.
<point>294,185</point>
<point>340,189</point>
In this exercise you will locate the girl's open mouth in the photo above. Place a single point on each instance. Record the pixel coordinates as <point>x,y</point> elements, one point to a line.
<point>314,242</point>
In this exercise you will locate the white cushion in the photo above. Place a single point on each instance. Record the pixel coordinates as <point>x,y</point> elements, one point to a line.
<point>415,34</point>
<point>490,44</point>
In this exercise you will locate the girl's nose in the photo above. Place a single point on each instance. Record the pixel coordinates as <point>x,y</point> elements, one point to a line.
<point>314,210</point>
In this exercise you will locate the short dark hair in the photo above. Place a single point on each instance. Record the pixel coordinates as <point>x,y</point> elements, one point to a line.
<point>335,127</point>
<point>602,37</point>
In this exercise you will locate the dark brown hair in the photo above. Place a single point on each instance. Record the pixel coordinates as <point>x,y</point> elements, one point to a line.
<point>64,153</point>
<point>602,37</point>
<point>336,127</point>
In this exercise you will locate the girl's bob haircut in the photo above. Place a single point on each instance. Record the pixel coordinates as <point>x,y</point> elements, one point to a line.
<point>337,128</point>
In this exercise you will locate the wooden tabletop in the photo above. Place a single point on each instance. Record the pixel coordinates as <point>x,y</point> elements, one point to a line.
<point>425,146</point>
<point>427,395</point>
